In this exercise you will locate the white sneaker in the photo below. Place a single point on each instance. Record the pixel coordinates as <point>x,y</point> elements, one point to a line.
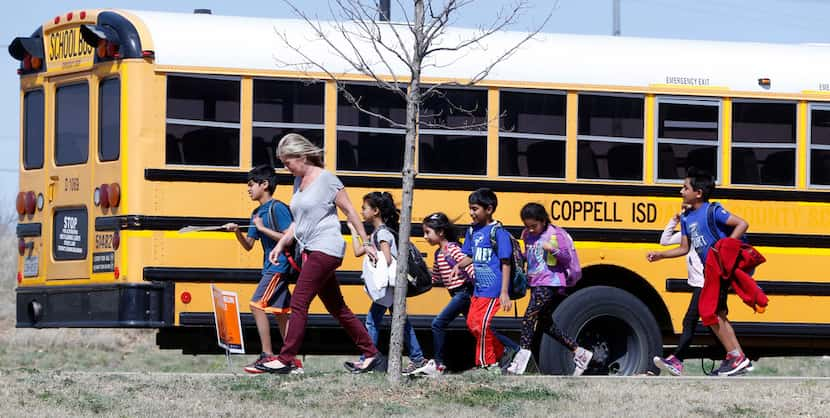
<point>429,369</point>
<point>519,363</point>
<point>582,358</point>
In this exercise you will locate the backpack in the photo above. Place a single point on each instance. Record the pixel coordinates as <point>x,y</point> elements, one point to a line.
<point>574,269</point>
<point>517,287</point>
<point>294,259</point>
<point>419,278</point>
<point>713,227</point>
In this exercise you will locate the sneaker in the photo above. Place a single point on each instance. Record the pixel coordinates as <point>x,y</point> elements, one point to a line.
<point>298,367</point>
<point>251,368</point>
<point>413,366</point>
<point>582,358</point>
<point>430,368</point>
<point>274,365</point>
<point>351,366</point>
<point>376,363</point>
<point>734,364</point>
<point>519,363</point>
<point>670,363</point>
<point>507,358</point>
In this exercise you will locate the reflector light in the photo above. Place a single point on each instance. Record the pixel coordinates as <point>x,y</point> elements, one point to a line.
<point>83,14</point>
<point>57,19</point>
<point>96,196</point>
<point>31,202</point>
<point>105,196</point>
<point>69,16</point>
<point>102,48</point>
<point>116,240</point>
<point>116,273</point>
<point>19,277</point>
<point>21,246</point>
<point>36,63</point>
<point>114,195</point>
<point>27,62</point>
<point>21,203</point>
<point>112,49</point>
<point>40,201</point>
<point>148,54</point>
<point>186,297</point>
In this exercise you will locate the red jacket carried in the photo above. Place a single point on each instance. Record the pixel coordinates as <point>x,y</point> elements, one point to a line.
<point>729,261</point>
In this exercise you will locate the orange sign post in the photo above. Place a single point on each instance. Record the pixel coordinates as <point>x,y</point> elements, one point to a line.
<point>228,323</point>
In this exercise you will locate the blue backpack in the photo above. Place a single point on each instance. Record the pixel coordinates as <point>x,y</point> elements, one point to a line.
<point>517,288</point>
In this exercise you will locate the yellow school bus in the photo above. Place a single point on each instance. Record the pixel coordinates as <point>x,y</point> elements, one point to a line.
<point>135,124</point>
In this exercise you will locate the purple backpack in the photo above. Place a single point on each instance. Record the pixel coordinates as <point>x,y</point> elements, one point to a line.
<point>566,243</point>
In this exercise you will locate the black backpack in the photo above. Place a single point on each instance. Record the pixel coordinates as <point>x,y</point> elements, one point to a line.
<point>294,259</point>
<point>517,287</point>
<point>419,277</point>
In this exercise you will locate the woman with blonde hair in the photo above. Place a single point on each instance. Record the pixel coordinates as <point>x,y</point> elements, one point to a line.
<point>316,229</point>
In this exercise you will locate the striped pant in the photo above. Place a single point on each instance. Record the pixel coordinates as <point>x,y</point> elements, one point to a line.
<point>479,321</point>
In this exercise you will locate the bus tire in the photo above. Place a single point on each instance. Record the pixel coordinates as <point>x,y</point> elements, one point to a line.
<point>616,326</point>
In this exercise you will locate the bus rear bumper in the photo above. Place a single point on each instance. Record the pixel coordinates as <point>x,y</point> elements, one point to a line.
<point>118,305</point>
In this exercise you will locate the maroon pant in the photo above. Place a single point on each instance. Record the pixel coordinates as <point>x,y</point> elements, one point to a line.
<point>317,279</point>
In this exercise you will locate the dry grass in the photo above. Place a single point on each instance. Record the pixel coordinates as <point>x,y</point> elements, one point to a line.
<point>89,372</point>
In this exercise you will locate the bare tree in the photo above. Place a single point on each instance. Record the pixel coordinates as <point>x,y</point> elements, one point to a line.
<point>394,56</point>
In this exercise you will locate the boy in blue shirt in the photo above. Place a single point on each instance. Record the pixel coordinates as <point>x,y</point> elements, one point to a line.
<point>271,295</point>
<point>491,268</point>
<point>697,234</point>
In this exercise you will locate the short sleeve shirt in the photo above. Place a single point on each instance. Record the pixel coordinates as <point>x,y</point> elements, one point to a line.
<point>486,263</point>
<point>316,226</point>
<point>694,226</point>
<point>282,217</point>
<point>384,234</point>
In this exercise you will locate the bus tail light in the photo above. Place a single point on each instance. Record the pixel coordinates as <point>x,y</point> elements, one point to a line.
<point>29,51</point>
<point>104,196</point>
<point>30,202</point>
<point>104,38</point>
<point>21,246</point>
<point>21,203</point>
<point>186,297</point>
<point>116,273</point>
<point>114,194</point>
<point>19,277</point>
<point>116,240</point>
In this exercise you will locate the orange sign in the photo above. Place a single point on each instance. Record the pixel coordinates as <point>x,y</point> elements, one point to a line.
<point>228,324</point>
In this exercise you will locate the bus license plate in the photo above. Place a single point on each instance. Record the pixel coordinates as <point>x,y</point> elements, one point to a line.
<point>30,266</point>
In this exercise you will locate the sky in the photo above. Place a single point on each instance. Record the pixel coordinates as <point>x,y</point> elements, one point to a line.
<point>779,21</point>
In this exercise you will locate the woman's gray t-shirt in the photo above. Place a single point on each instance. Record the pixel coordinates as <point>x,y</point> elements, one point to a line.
<point>316,226</point>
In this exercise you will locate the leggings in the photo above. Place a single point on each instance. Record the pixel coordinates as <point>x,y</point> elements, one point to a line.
<point>541,303</point>
<point>689,324</point>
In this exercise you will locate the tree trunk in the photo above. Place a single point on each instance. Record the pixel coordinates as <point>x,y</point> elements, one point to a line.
<point>413,105</point>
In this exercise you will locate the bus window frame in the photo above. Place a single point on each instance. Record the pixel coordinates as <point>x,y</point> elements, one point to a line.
<point>695,101</point>
<point>67,83</point>
<point>765,145</point>
<point>23,155</point>
<point>366,129</point>
<point>101,82</point>
<point>622,140</point>
<point>321,127</point>
<point>824,107</point>
<point>481,133</point>
<point>204,123</point>
<point>543,137</point>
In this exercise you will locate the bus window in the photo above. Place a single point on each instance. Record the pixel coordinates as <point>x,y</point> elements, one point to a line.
<point>820,146</point>
<point>532,134</point>
<point>439,146</point>
<point>687,135</point>
<point>366,142</point>
<point>72,124</point>
<point>109,119</point>
<point>763,143</point>
<point>282,107</point>
<point>202,121</point>
<point>33,130</point>
<point>610,137</point>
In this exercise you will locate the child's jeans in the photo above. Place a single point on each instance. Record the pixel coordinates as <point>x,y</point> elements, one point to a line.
<point>459,305</point>
<point>375,317</point>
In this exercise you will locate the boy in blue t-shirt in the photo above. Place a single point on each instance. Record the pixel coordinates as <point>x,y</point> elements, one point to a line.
<point>490,290</point>
<point>271,295</point>
<point>697,234</point>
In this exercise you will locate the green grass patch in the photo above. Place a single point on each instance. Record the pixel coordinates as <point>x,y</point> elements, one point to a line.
<point>494,398</point>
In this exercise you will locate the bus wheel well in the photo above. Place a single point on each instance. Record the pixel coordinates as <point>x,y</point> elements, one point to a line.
<point>625,279</point>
